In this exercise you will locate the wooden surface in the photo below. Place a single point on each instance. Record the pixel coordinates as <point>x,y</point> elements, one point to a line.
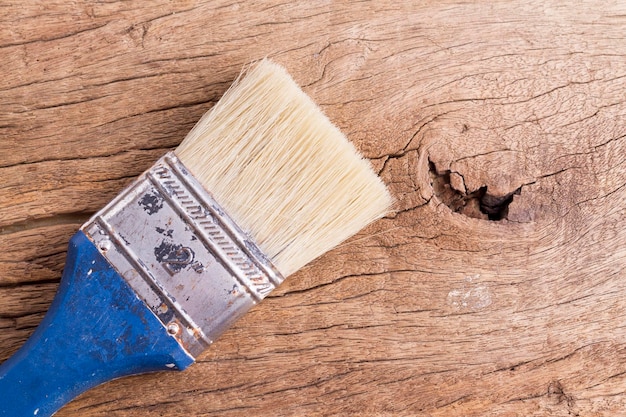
<point>497,288</point>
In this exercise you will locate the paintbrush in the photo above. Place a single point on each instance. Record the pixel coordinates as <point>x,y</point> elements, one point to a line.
<point>263,184</point>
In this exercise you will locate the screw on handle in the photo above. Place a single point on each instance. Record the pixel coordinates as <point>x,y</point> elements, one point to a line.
<point>96,330</point>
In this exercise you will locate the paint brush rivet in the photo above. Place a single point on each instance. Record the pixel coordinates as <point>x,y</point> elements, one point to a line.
<point>173,328</point>
<point>104,245</point>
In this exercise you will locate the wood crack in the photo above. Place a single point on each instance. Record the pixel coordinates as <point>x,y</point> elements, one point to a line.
<point>54,38</point>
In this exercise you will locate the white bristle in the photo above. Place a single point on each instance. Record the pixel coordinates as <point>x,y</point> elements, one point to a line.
<point>285,174</point>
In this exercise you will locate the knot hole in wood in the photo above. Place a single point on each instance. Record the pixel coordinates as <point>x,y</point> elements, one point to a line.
<point>449,187</point>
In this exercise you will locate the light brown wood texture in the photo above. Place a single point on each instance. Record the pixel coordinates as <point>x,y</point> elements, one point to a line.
<point>436,310</point>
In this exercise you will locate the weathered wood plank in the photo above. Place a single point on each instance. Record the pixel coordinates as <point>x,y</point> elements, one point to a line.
<point>469,110</point>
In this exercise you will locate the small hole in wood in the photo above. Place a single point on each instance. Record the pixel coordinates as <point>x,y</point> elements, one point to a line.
<point>478,204</point>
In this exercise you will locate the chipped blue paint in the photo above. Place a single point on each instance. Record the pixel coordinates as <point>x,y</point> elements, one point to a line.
<point>96,330</point>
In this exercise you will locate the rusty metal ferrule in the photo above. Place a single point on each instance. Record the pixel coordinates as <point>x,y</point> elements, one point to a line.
<point>182,254</point>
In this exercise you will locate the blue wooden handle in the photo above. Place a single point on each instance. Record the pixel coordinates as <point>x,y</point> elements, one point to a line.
<point>96,330</point>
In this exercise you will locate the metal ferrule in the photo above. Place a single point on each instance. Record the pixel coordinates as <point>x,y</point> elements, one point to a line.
<point>182,254</point>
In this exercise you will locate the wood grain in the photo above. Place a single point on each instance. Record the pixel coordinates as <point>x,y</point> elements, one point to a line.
<point>469,110</point>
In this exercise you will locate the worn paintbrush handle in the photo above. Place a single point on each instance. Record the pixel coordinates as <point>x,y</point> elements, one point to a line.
<point>97,329</point>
